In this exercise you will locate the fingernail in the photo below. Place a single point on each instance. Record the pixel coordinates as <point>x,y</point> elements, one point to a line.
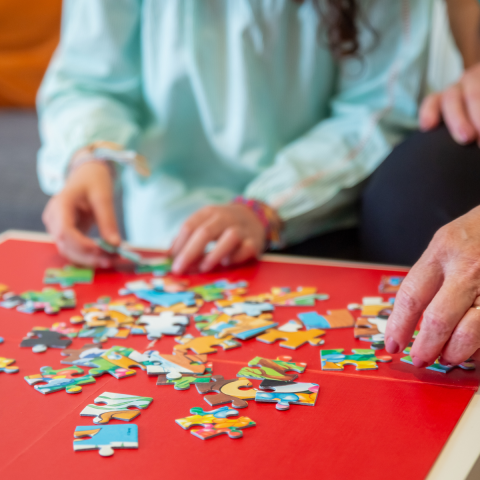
<point>444,362</point>
<point>462,137</point>
<point>392,345</point>
<point>226,262</point>
<point>115,239</point>
<point>177,266</point>
<point>104,263</point>
<point>419,363</point>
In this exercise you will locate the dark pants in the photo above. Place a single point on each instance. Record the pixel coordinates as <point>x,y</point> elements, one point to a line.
<point>425,183</point>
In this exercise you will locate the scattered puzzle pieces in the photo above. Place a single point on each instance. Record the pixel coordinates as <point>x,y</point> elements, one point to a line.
<point>215,423</point>
<point>105,438</point>
<point>49,300</point>
<point>287,393</point>
<point>5,365</point>
<point>42,338</point>
<point>240,326</point>
<point>252,309</point>
<point>363,359</point>
<point>115,406</point>
<point>204,345</point>
<point>334,319</point>
<point>293,340</point>
<point>216,290</point>
<point>228,391</point>
<point>264,369</point>
<point>437,366</point>
<point>167,323</point>
<point>64,379</point>
<point>68,276</point>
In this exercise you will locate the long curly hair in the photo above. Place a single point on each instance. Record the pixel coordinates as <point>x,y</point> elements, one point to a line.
<point>340,19</point>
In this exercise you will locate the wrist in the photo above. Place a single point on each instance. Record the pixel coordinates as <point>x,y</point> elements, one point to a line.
<point>267,216</point>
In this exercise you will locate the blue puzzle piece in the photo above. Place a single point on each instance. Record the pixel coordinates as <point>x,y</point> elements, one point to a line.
<point>166,299</point>
<point>222,412</point>
<point>313,320</point>
<point>105,438</point>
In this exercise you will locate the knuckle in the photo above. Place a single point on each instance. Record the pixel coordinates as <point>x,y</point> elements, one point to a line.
<point>407,299</point>
<point>234,234</point>
<point>467,338</point>
<point>434,322</point>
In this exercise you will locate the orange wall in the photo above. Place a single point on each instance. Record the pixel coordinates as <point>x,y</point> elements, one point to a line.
<point>29,33</point>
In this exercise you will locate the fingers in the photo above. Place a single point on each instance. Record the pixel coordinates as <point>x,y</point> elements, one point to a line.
<point>471,88</point>
<point>195,245</point>
<point>449,305</point>
<point>247,251</point>
<point>430,113</point>
<point>465,340</point>
<point>416,292</point>
<point>59,219</point>
<point>103,209</point>
<point>227,243</point>
<point>187,230</point>
<point>457,115</point>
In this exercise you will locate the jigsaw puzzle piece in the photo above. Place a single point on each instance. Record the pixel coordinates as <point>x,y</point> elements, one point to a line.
<point>390,284</point>
<point>264,369</point>
<point>181,362</point>
<point>118,362</point>
<point>49,300</point>
<point>42,338</point>
<point>116,406</point>
<point>158,266</point>
<point>252,309</point>
<point>179,308</point>
<point>216,290</point>
<point>293,340</point>
<point>82,357</point>
<point>5,365</point>
<point>371,329</point>
<point>64,379</point>
<point>204,345</point>
<point>167,323</point>
<point>105,438</point>
<point>182,381</point>
<point>287,393</point>
<point>68,276</point>
<point>334,319</point>
<point>363,359</point>
<point>437,366</point>
<point>229,391</point>
<point>215,423</point>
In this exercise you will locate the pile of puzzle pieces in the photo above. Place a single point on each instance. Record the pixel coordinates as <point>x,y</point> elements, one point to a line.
<point>167,306</point>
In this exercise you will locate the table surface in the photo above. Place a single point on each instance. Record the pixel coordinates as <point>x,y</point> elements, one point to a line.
<point>366,419</point>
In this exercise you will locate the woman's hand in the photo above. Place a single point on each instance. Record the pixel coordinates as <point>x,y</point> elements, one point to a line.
<point>458,106</point>
<point>87,198</point>
<point>239,234</point>
<point>444,285</point>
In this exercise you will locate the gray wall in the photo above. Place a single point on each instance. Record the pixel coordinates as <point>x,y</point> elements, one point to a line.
<point>21,200</point>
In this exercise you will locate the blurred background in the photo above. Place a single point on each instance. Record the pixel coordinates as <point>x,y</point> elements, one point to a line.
<point>29,34</point>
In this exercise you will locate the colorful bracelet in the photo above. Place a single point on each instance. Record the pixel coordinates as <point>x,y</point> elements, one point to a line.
<point>267,216</point>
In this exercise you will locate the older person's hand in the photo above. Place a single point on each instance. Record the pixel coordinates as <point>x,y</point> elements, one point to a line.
<point>444,286</point>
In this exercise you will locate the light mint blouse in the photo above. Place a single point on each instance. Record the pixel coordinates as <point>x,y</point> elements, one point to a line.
<point>231,97</point>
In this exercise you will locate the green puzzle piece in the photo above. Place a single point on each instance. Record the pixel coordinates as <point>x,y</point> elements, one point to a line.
<point>49,299</point>
<point>437,366</point>
<point>264,369</point>
<point>64,379</point>
<point>184,381</point>
<point>68,276</point>
<point>362,358</point>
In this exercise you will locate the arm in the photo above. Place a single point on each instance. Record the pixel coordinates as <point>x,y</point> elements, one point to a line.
<point>91,92</point>
<point>315,177</point>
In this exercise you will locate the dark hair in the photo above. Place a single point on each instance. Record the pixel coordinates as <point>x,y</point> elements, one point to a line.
<point>339,17</point>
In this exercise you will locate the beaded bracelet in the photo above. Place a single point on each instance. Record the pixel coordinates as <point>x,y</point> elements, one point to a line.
<point>268,218</point>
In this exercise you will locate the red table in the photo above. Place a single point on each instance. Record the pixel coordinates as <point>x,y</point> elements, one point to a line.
<point>389,423</point>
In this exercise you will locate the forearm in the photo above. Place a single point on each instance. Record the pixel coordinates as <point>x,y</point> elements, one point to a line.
<point>464,18</point>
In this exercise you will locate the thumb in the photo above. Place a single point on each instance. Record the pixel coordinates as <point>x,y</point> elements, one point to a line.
<point>104,212</point>
<point>430,112</point>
